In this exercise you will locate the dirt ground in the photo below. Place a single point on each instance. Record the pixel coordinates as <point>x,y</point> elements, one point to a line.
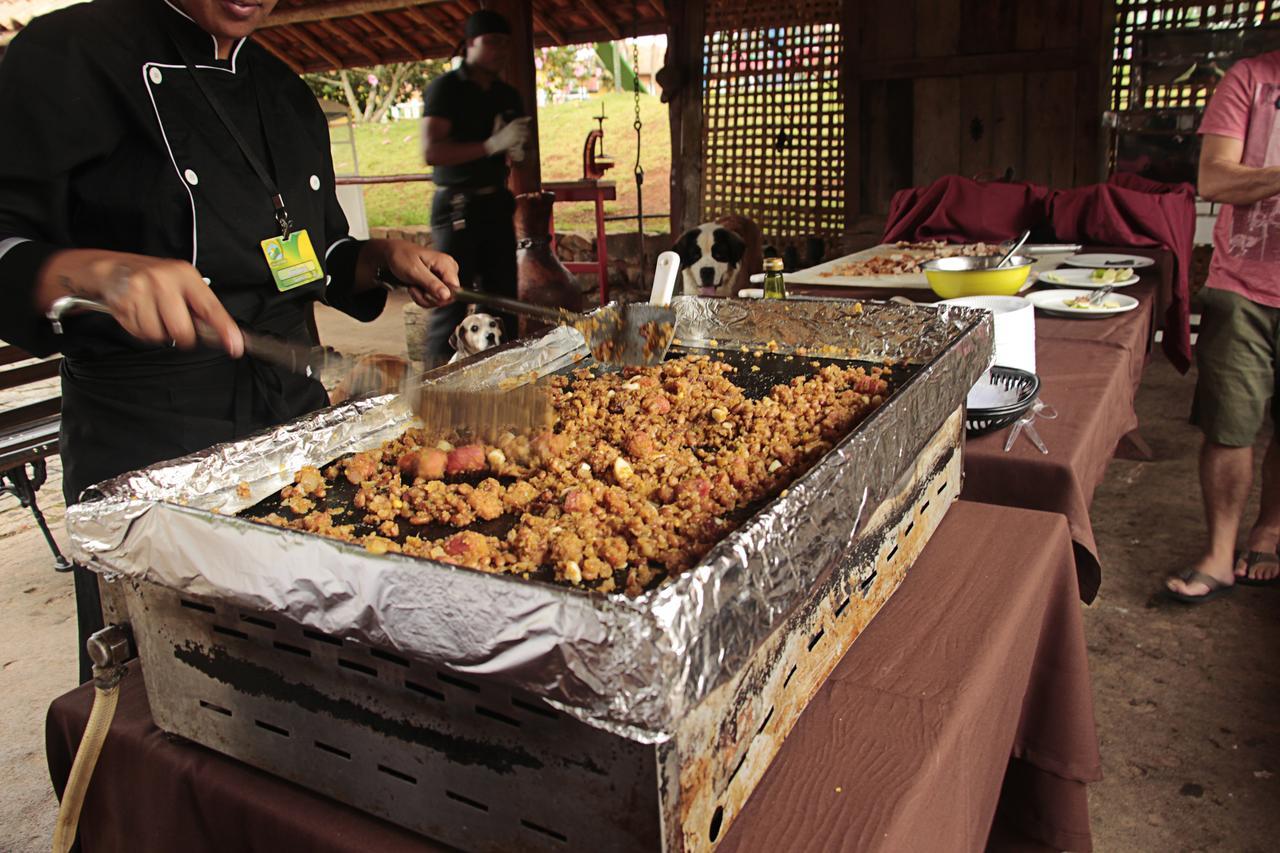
<point>1185,697</point>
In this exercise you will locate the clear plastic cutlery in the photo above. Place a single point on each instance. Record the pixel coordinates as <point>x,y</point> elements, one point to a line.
<point>1025,423</point>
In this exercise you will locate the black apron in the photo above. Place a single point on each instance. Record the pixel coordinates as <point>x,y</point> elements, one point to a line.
<point>130,411</point>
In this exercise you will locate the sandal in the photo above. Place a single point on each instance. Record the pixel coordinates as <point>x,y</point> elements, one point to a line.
<point>1254,558</point>
<point>1216,587</point>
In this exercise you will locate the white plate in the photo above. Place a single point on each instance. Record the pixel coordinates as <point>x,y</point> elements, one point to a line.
<point>1105,261</point>
<point>1081,278</point>
<point>1054,302</point>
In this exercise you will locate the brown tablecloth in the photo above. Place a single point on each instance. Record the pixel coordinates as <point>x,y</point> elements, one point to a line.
<point>1090,386</point>
<point>963,712</point>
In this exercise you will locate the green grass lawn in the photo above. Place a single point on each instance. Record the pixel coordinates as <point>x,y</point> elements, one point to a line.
<point>394,148</point>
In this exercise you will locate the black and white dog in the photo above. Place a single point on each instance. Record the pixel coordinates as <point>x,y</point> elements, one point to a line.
<point>476,333</point>
<point>718,258</point>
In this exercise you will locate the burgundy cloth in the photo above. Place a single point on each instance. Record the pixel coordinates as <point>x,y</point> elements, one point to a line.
<point>967,697</point>
<point>960,209</point>
<point>1130,210</point>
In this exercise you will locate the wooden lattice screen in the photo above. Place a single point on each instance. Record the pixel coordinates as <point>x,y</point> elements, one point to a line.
<point>773,129</point>
<point>1133,16</point>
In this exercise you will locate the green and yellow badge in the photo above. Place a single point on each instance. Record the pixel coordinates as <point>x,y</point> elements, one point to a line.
<point>293,262</point>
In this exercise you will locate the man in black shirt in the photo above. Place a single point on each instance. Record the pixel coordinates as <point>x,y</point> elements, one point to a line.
<point>151,156</point>
<point>474,122</point>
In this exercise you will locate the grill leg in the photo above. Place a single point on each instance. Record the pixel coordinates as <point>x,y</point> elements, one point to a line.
<point>16,482</point>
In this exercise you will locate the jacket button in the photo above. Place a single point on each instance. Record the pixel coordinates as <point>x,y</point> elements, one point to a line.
<point>315,182</point>
<point>155,75</point>
<point>192,177</point>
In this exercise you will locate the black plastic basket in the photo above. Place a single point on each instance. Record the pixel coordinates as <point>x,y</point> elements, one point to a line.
<point>982,421</point>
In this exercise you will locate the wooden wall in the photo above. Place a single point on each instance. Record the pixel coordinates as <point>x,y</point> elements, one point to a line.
<point>975,87</point>
<point>934,87</point>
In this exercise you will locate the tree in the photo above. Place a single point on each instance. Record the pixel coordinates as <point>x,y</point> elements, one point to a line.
<point>563,69</point>
<point>370,92</point>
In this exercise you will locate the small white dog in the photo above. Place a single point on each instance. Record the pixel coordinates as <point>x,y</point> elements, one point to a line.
<point>476,333</point>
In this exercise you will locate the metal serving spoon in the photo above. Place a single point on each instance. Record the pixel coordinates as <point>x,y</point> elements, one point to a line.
<point>1017,244</point>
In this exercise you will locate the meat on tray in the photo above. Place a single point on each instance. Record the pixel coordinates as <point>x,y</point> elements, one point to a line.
<point>645,470</point>
<point>908,259</point>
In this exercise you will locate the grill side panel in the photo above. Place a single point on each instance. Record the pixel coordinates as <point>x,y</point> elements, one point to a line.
<point>723,748</point>
<point>457,758</point>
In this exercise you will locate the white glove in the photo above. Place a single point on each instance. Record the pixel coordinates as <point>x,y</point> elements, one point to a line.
<point>507,136</point>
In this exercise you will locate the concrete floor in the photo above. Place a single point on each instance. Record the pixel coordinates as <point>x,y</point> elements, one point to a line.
<point>1185,697</point>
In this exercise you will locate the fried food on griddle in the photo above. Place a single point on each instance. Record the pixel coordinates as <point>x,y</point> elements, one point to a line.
<point>640,477</point>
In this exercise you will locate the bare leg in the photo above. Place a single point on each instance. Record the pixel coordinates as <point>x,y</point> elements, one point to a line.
<point>1265,534</point>
<point>1226,475</point>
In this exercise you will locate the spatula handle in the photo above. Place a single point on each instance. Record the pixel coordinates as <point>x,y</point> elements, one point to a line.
<point>514,306</point>
<point>295,358</point>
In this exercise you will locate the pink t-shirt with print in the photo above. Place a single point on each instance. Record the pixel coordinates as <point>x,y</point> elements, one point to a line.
<point>1246,238</point>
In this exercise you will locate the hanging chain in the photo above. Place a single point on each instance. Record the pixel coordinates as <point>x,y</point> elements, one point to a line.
<point>638,125</point>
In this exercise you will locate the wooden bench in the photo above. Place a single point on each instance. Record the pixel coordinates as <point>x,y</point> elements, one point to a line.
<point>29,436</point>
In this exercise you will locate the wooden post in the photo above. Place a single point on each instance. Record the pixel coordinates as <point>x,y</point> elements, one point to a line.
<point>526,176</point>
<point>1093,90</point>
<point>685,24</point>
<point>851,89</point>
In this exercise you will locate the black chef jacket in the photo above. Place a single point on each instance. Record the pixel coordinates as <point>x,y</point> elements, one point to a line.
<point>471,110</point>
<point>107,142</point>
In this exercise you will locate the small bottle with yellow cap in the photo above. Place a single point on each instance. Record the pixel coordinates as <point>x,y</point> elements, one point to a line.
<point>774,286</point>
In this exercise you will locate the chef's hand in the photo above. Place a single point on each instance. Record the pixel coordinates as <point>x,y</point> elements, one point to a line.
<point>507,137</point>
<point>157,300</point>
<point>430,276</point>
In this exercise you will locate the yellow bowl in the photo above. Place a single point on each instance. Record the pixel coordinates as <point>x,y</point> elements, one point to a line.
<point>952,278</point>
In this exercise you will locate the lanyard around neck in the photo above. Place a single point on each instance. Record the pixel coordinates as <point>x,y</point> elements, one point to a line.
<point>277,200</point>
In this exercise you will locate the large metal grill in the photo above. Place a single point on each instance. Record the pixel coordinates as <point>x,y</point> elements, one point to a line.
<point>496,713</point>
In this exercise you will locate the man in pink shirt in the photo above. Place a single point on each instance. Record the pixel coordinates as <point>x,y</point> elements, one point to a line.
<point>1239,346</point>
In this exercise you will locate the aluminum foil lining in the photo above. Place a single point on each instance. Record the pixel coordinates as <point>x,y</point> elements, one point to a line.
<point>632,666</point>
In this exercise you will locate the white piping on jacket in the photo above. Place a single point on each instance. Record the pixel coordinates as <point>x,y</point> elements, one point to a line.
<point>239,44</point>
<point>11,242</point>
<point>177,171</point>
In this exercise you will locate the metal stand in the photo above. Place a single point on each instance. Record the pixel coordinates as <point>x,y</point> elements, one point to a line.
<point>22,486</point>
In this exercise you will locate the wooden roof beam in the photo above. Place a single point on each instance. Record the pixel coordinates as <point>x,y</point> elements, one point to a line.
<point>422,19</point>
<point>316,47</point>
<point>390,32</point>
<point>605,21</point>
<point>350,41</point>
<point>659,7</point>
<point>277,51</point>
<point>282,17</point>
<point>543,24</point>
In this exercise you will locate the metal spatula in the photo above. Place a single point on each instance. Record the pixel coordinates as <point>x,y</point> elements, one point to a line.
<point>627,334</point>
<point>479,413</point>
<point>296,358</point>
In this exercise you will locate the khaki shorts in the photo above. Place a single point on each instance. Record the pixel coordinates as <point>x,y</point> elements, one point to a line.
<point>1236,358</point>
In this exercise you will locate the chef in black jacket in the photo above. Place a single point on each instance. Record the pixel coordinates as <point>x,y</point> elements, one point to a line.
<point>474,123</point>
<point>154,158</point>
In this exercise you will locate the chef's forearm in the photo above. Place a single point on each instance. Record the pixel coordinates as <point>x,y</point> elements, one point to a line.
<point>22,320</point>
<point>373,255</point>
<point>352,288</point>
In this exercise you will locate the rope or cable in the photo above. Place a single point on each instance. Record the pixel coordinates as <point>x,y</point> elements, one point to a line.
<point>639,169</point>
